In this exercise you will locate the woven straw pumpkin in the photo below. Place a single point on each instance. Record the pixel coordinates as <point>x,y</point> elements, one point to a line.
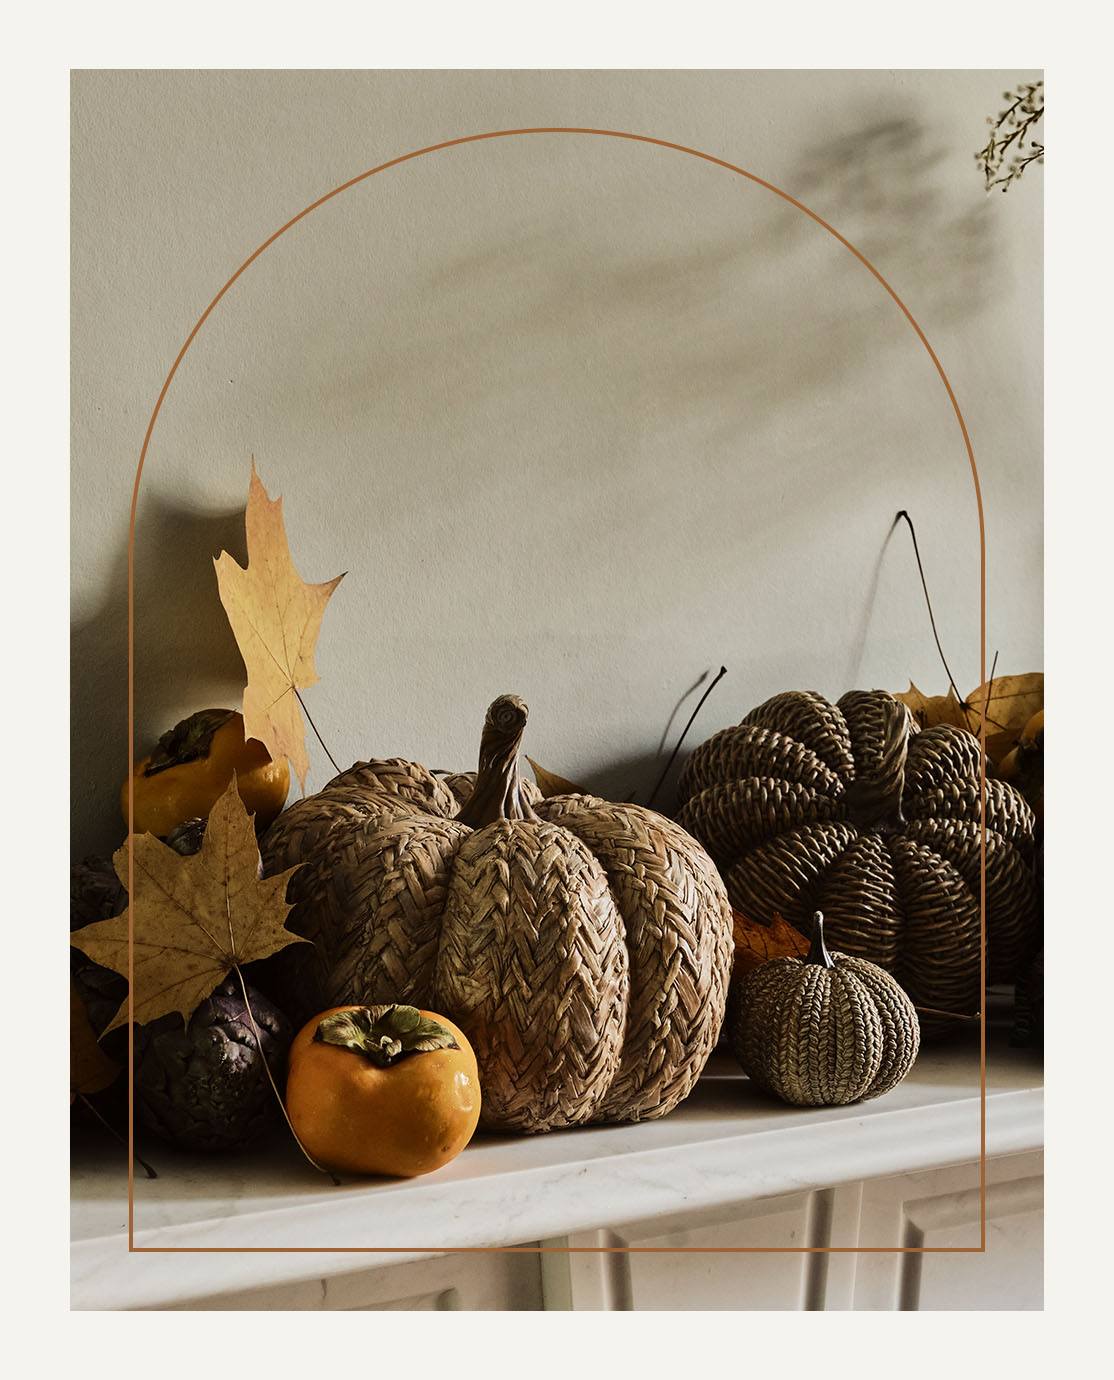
<point>583,947</point>
<point>823,1030</point>
<point>848,809</point>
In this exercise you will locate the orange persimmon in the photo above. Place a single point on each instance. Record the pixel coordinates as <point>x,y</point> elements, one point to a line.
<point>382,1090</point>
<point>190,770</point>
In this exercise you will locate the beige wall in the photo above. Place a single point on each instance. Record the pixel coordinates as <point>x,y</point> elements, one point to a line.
<point>582,419</point>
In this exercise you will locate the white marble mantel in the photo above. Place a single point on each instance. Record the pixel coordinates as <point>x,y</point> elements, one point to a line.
<point>725,1146</point>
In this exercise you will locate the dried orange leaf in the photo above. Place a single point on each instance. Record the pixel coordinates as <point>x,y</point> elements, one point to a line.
<point>195,917</point>
<point>275,617</point>
<point>91,1070</point>
<point>756,943</point>
<point>549,783</point>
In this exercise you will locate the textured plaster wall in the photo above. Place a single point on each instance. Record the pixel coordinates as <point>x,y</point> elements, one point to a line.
<point>582,419</point>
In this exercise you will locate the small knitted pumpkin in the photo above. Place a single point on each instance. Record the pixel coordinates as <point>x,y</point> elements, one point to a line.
<point>823,1030</point>
<point>848,809</point>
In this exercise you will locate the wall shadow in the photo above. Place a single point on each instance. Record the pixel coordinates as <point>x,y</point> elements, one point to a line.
<point>747,350</point>
<point>182,639</point>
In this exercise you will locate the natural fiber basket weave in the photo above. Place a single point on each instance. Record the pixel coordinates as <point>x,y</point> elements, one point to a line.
<point>583,947</point>
<point>847,809</point>
<point>823,1030</point>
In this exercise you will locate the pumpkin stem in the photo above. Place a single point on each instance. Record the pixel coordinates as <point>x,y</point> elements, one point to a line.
<point>818,951</point>
<point>874,798</point>
<point>498,791</point>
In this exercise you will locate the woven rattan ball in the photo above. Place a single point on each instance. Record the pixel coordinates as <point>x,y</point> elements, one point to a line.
<point>823,1030</point>
<point>583,947</point>
<point>848,809</point>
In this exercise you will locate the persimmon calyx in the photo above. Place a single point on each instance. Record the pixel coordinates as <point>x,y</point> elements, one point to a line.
<point>187,741</point>
<point>384,1034</point>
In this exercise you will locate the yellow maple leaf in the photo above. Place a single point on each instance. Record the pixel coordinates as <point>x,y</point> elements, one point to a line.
<point>195,918</point>
<point>275,617</point>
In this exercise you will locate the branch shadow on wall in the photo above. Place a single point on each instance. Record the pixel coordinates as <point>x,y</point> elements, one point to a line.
<point>748,349</point>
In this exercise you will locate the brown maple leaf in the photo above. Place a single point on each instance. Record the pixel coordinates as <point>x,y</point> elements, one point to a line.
<point>930,710</point>
<point>275,617</point>
<point>195,918</point>
<point>756,943</point>
<point>549,783</point>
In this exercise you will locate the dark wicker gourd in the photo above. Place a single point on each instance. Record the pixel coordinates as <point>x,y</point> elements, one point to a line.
<point>583,947</point>
<point>846,808</point>
<point>823,1030</point>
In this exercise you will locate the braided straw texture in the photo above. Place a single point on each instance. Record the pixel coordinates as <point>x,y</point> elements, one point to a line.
<point>585,953</point>
<point>846,808</point>
<point>822,1037</point>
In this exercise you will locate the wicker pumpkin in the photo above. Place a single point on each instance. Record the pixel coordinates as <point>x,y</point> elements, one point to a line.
<point>823,1030</point>
<point>583,947</point>
<point>848,809</point>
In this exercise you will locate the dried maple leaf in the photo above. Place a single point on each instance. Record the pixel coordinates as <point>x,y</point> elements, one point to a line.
<point>195,918</point>
<point>1013,702</point>
<point>549,783</point>
<point>275,618</point>
<point>756,944</point>
<point>91,1070</point>
<point>929,710</point>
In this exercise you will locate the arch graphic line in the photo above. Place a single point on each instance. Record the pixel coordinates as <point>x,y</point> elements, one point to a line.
<point>952,399</point>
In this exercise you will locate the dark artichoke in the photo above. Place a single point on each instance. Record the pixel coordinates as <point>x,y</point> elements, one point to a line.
<point>96,893</point>
<point>185,838</point>
<point>204,1086</point>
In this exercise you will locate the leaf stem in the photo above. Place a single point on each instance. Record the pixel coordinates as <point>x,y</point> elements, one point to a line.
<point>684,734</point>
<point>312,725</point>
<point>112,1131</point>
<point>928,601</point>
<point>990,692</point>
<point>271,1079</point>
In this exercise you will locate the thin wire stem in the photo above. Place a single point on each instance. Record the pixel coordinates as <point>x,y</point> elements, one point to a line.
<point>951,1015</point>
<point>112,1131</point>
<point>270,1079</point>
<point>990,689</point>
<point>684,734</point>
<point>312,725</point>
<point>984,708</point>
<point>928,601</point>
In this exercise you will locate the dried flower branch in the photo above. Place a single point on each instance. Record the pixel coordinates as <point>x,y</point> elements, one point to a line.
<point>1012,137</point>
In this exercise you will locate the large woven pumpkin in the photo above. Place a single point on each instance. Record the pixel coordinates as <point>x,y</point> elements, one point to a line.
<point>583,947</point>
<point>848,809</point>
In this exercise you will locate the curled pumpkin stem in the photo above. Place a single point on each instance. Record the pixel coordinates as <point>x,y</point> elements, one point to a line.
<point>498,791</point>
